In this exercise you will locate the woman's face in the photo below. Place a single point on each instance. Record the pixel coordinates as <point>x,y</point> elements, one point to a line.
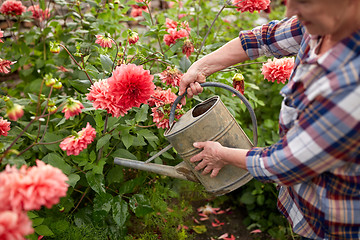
<point>322,17</point>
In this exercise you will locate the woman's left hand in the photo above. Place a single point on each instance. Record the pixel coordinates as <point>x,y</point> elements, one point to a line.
<point>210,157</point>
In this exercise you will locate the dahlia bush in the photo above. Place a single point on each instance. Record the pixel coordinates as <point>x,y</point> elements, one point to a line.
<point>84,82</point>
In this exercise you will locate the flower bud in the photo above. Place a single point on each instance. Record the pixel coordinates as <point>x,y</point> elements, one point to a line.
<point>15,112</point>
<point>57,85</point>
<point>50,82</point>
<point>54,47</point>
<point>133,37</point>
<point>238,77</point>
<point>52,109</point>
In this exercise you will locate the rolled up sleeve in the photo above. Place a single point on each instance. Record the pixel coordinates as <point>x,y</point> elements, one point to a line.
<point>274,39</point>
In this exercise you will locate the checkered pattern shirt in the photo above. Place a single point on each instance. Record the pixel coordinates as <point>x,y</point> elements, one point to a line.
<point>317,159</point>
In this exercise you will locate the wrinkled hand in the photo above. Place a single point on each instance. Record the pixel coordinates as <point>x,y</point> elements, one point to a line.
<point>190,82</point>
<point>210,158</point>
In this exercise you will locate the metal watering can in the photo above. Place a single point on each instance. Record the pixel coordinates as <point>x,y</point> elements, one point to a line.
<point>210,120</point>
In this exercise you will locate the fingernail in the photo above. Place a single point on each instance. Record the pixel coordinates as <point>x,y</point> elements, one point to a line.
<point>195,144</point>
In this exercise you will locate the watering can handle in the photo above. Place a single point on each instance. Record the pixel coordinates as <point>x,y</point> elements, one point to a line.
<point>231,89</point>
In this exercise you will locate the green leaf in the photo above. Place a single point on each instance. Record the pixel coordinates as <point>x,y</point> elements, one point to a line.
<point>96,182</point>
<point>56,161</point>
<point>131,185</point>
<point>37,221</point>
<point>142,114</point>
<point>119,211</point>
<point>127,139</point>
<point>184,64</point>
<point>81,85</point>
<point>106,63</point>
<point>51,137</point>
<point>140,205</point>
<point>115,175</point>
<point>123,153</point>
<point>43,230</point>
<point>103,202</point>
<point>99,166</point>
<point>147,17</point>
<point>73,179</point>
<point>148,135</point>
<point>199,229</point>
<point>102,141</point>
<point>247,198</point>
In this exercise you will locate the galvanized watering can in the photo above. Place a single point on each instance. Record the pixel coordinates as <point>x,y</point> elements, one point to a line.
<point>210,120</point>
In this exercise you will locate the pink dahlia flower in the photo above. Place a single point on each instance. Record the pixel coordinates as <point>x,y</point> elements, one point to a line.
<point>12,7</point>
<point>75,144</point>
<point>163,99</point>
<point>72,108</point>
<point>103,41</point>
<point>4,127</point>
<point>14,225</point>
<point>187,48</point>
<point>251,5</point>
<point>171,76</point>
<point>136,10</point>
<point>1,35</point>
<point>30,188</point>
<point>38,13</point>
<point>161,115</point>
<point>131,85</point>
<point>15,112</point>
<point>171,23</point>
<point>175,31</point>
<point>101,98</point>
<point>278,69</point>
<point>45,186</point>
<point>5,65</point>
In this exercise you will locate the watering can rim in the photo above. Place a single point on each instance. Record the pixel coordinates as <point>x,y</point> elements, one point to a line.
<point>168,132</point>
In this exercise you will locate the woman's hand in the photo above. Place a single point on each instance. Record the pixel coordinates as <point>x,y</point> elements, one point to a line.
<point>190,82</point>
<point>210,157</point>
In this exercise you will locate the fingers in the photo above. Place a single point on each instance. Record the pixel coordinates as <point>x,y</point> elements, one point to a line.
<point>215,172</point>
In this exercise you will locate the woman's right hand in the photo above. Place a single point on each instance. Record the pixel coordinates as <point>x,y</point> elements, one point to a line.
<point>190,83</point>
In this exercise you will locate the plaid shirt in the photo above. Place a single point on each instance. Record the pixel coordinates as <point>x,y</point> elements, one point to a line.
<point>317,159</point>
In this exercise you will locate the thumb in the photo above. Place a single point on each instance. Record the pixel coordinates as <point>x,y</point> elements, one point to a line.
<point>199,144</point>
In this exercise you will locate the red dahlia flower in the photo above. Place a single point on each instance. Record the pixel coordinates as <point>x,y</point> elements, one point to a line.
<point>171,76</point>
<point>251,5</point>
<point>163,99</point>
<point>187,48</point>
<point>12,7</point>
<point>131,85</point>
<point>38,13</point>
<point>101,98</point>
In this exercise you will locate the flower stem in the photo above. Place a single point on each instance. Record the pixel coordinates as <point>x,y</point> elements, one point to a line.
<point>207,34</point>
<point>117,51</point>
<point>72,57</point>
<point>153,23</point>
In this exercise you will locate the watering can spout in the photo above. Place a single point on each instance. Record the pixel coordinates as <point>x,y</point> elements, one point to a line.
<point>180,171</point>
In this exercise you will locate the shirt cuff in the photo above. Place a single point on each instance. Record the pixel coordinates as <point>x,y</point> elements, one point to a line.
<point>255,164</point>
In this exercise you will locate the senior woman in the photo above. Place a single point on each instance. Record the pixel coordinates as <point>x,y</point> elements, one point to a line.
<point>317,159</point>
